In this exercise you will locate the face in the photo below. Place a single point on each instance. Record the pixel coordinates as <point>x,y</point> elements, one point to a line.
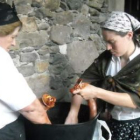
<point>118,45</point>
<point>8,41</point>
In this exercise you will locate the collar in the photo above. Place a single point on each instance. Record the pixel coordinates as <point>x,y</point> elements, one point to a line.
<point>135,53</point>
<point>131,57</point>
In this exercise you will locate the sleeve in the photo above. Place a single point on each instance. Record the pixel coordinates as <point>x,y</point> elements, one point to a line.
<point>14,90</point>
<point>136,99</point>
<point>91,74</point>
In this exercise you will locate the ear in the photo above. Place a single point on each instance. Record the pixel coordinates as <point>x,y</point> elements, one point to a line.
<point>130,35</point>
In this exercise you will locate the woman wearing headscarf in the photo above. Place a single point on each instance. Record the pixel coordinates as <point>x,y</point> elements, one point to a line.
<point>114,77</point>
<point>15,95</point>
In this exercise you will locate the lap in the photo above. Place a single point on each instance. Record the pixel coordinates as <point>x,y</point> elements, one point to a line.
<point>13,131</point>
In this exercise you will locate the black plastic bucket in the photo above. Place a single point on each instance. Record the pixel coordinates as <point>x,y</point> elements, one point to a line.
<point>58,131</point>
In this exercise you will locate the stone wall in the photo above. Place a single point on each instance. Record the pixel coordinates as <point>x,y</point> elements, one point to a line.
<point>58,41</point>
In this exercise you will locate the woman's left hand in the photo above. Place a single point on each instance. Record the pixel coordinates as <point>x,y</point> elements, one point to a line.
<point>87,92</point>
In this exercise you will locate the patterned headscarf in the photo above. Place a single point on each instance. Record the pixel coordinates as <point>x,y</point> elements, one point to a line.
<point>121,22</point>
<point>8,14</point>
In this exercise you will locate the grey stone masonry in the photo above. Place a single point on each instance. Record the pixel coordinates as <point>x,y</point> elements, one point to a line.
<point>58,41</point>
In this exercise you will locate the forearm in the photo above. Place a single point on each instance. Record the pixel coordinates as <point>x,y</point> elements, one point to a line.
<point>72,117</point>
<point>75,104</point>
<point>36,113</point>
<point>115,98</point>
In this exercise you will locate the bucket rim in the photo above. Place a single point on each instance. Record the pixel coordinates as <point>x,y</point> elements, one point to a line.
<point>77,124</point>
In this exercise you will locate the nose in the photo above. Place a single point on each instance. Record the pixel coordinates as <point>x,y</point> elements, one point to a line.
<point>108,46</point>
<point>13,42</point>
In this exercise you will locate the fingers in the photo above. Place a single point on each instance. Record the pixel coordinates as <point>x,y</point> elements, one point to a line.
<point>77,91</point>
<point>81,89</point>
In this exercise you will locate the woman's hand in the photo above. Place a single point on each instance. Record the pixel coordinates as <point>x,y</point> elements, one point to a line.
<point>87,92</point>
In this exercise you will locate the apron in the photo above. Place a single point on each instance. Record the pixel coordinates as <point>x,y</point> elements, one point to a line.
<point>13,131</point>
<point>126,130</point>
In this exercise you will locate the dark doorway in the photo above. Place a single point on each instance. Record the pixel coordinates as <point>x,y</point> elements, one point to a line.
<point>133,7</point>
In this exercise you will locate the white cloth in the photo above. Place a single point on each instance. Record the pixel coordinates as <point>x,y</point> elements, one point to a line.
<point>98,131</point>
<point>118,112</point>
<point>15,94</point>
<point>121,22</point>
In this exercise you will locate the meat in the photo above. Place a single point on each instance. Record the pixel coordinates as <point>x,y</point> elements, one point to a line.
<point>78,85</point>
<point>91,102</point>
<point>48,100</point>
<point>92,108</point>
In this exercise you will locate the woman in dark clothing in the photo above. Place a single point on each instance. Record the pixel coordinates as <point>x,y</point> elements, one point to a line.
<point>114,77</point>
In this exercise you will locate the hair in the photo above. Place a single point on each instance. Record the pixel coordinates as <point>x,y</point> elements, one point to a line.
<point>9,28</point>
<point>136,38</point>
